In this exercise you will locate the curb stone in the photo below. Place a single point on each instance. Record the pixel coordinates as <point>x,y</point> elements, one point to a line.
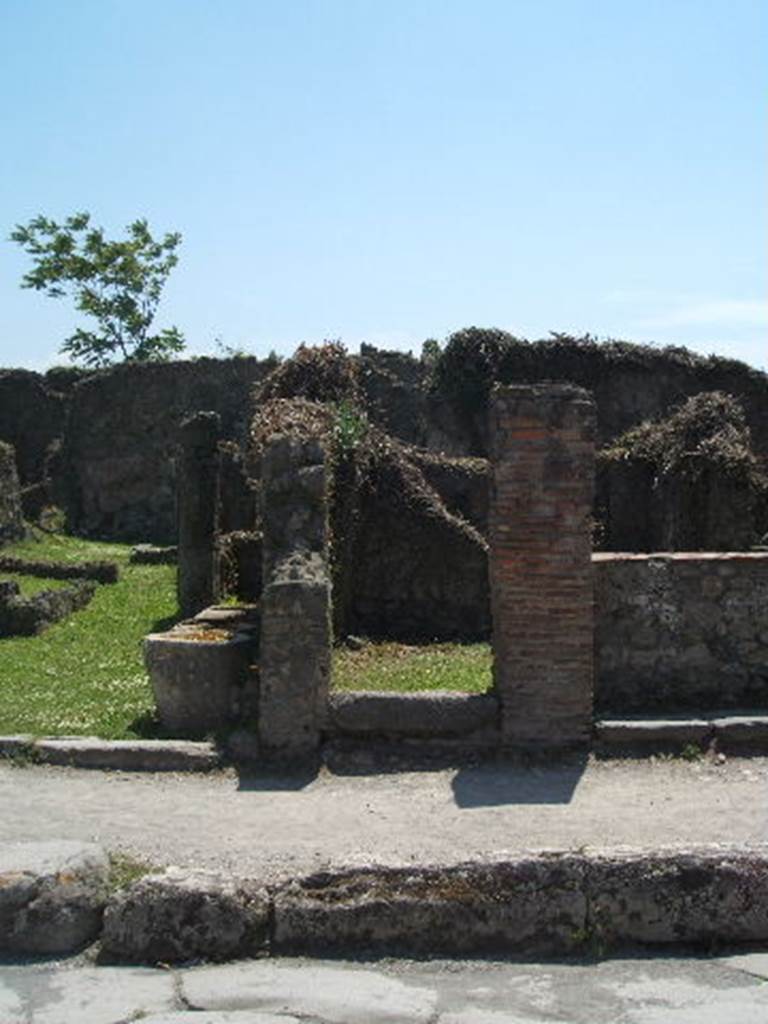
<point>554,903</point>
<point>52,895</point>
<point>117,755</point>
<point>736,733</point>
<point>180,915</point>
<point>733,733</point>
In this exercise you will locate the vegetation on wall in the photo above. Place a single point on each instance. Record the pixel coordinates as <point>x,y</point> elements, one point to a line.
<point>708,431</point>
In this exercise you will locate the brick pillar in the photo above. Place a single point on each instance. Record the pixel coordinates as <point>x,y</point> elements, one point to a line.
<point>197,501</point>
<point>542,441</point>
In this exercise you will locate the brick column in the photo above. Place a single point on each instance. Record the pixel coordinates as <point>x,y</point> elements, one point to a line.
<point>197,500</point>
<point>542,442</point>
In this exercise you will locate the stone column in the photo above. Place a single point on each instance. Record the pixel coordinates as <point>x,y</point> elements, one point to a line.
<point>295,658</point>
<point>197,498</point>
<point>542,439</point>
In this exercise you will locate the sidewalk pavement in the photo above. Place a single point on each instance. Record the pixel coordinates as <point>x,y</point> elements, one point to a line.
<point>272,826</point>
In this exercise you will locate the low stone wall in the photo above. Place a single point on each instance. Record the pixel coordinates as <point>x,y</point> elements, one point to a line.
<point>26,616</point>
<point>100,572</point>
<point>681,631</point>
<point>11,519</point>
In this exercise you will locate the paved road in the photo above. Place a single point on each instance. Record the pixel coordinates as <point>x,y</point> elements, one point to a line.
<point>725,990</point>
<point>269,826</point>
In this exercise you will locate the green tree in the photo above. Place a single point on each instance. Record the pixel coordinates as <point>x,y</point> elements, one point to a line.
<point>117,283</point>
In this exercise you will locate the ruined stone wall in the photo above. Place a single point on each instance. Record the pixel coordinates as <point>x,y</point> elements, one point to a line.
<point>32,416</point>
<point>11,519</point>
<point>540,559</point>
<point>681,631</point>
<point>198,512</point>
<point>122,436</point>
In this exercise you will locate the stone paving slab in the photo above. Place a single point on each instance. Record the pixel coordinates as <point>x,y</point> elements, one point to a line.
<point>679,990</point>
<point>84,994</point>
<point>330,993</point>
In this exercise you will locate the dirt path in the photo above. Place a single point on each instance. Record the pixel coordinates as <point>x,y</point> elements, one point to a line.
<point>269,824</point>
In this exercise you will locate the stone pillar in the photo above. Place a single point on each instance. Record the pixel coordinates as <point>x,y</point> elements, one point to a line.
<point>542,439</point>
<point>11,518</point>
<point>295,658</point>
<point>197,498</point>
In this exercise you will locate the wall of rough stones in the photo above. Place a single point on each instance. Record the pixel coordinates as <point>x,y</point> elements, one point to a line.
<point>681,631</point>
<point>11,519</point>
<point>32,416</point>
<point>122,436</point>
<point>295,647</point>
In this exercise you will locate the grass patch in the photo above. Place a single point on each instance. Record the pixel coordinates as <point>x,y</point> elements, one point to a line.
<point>404,668</point>
<point>125,869</point>
<point>31,585</point>
<point>85,675</point>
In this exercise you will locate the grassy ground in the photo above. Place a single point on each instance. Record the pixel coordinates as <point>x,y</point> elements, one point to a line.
<point>405,668</point>
<point>85,675</point>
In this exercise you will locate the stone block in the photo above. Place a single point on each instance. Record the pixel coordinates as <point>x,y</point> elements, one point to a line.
<point>181,915</point>
<point>434,713</point>
<point>698,897</point>
<point>126,755</point>
<point>532,905</point>
<point>314,992</point>
<point>52,895</point>
<point>653,732</point>
<point>742,732</point>
<point>196,682</point>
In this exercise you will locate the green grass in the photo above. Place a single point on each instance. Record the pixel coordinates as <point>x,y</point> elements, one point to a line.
<point>405,668</point>
<point>31,585</point>
<point>85,675</point>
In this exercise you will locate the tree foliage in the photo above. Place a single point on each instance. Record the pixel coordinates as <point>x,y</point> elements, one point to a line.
<point>117,283</point>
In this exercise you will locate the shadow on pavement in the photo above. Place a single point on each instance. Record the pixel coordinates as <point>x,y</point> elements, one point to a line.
<point>498,784</point>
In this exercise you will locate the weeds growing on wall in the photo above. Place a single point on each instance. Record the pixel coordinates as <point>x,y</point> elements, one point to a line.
<point>365,463</point>
<point>709,431</point>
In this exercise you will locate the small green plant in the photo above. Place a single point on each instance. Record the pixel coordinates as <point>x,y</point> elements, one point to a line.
<point>125,869</point>
<point>691,752</point>
<point>350,427</point>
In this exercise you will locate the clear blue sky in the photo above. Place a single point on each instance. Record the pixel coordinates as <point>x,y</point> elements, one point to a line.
<point>389,171</point>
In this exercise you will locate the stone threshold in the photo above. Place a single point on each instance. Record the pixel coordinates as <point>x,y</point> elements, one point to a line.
<point>742,733</point>
<point>570,903</point>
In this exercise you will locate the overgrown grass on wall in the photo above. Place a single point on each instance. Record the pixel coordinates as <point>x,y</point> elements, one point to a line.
<point>85,675</point>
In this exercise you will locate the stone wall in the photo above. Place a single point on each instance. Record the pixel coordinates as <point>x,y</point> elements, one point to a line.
<point>11,519</point>
<point>122,437</point>
<point>681,631</point>
<point>32,416</point>
<point>26,616</point>
<point>295,649</point>
<point>198,512</point>
<point>541,575</point>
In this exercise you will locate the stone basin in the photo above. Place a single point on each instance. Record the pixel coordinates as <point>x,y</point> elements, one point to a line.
<point>197,676</point>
